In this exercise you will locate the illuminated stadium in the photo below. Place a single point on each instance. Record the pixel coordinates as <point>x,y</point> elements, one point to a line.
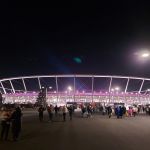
<point>61,89</point>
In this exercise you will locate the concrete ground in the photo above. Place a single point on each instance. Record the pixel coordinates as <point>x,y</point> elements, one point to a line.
<point>98,132</point>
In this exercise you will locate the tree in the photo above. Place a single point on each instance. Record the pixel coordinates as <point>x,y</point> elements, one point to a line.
<point>41,99</point>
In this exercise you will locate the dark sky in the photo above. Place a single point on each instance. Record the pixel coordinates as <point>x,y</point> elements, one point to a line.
<point>82,38</point>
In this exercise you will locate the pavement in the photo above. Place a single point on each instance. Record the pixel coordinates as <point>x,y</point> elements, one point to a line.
<point>98,132</point>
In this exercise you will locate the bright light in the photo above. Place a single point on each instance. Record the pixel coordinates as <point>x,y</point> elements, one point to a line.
<point>69,88</point>
<point>142,56</point>
<point>117,88</point>
<point>112,90</point>
<point>50,87</point>
<point>145,55</point>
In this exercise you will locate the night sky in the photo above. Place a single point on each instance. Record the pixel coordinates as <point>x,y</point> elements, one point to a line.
<point>84,38</point>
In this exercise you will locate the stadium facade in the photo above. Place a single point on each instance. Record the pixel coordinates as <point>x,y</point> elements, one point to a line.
<point>76,88</point>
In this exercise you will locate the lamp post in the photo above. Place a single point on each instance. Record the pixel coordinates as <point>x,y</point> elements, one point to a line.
<point>45,90</point>
<point>112,91</point>
<point>69,90</point>
<point>50,87</point>
<point>117,90</point>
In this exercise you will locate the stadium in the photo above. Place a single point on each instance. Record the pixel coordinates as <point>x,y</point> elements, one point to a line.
<point>61,89</point>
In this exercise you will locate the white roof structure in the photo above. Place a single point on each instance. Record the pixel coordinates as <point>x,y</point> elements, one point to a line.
<point>18,88</point>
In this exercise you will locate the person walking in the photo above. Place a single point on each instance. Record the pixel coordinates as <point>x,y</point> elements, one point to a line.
<point>64,110</point>
<point>16,123</point>
<point>104,110</point>
<point>56,110</point>
<point>89,110</point>
<point>130,111</point>
<point>5,123</point>
<point>109,111</point>
<point>83,109</point>
<point>41,110</point>
<point>70,109</point>
<point>118,112</point>
<point>50,112</point>
<point>134,111</point>
<point>123,110</point>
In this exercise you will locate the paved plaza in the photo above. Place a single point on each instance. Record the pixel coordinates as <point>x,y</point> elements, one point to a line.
<point>98,132</point>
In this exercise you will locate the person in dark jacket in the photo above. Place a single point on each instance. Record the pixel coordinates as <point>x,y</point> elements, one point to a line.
<point>50,110</point>
<point>16,123</point>
<point>83,109</point>
<point>41,110</point>
<point>120,112</point>
<point>124,110</point>
<point>64,110</point>
<point>89,110</point>
<point>5,123</point>
<point>109,111</point>
<point>56,110</point>
<point>70,109</point>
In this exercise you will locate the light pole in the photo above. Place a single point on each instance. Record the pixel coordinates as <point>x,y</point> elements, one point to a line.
<point>50,87</point>
<point>112,91</point>
<point>117,89</point>
<point>69,89</point>
<point>46,93</point>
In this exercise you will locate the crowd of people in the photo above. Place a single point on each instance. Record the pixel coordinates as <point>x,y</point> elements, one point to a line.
<point>87,111</point>
<point>62,110</point>
<point>10,118</point>
<point>119,111</point>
